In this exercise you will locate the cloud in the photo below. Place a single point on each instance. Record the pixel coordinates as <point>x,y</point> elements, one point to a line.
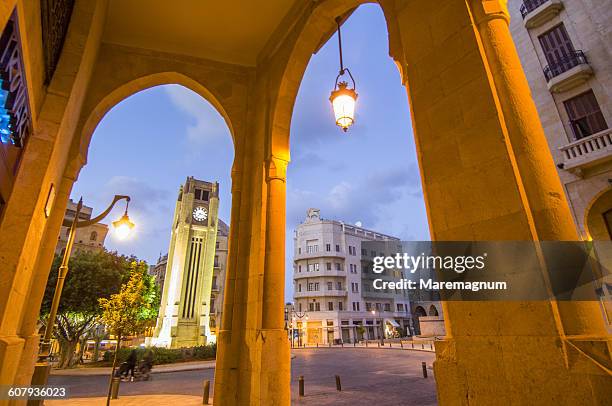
<point>144,197</point>
<point>206,123</point>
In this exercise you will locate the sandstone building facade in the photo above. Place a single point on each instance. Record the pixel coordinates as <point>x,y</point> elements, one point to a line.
<point>90,238</point>
<point>564,47</point>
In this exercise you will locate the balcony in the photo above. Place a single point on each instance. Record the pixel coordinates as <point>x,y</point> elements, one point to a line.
<point>587,151</point>
<point>568,72</point>
<point>537,12</point>
<point>320,293</point>
<point>318,254</point>
<point>318,274</point>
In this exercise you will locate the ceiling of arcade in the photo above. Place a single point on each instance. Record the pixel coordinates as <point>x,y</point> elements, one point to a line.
<point>231,31</point>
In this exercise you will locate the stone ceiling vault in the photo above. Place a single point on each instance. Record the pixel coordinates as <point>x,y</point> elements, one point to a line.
<point>231,31</point>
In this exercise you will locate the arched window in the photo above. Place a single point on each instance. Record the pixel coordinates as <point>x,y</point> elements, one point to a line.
<point>433,311</point>
<point>420,312</point>
<point>93,236</point>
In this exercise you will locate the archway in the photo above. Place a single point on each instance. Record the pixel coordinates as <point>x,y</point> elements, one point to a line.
<point>145,146</point>
<point>484,161</point>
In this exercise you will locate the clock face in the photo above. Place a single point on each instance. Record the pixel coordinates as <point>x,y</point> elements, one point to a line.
<point>200,214</point>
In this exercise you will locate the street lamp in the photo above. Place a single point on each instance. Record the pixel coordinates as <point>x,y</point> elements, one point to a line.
<point>123,226</point>
<point>343,97</point>
<point>294,316</point>
<point>382,331</point>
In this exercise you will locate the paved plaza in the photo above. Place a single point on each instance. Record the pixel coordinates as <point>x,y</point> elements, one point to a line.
<point>378,376</point>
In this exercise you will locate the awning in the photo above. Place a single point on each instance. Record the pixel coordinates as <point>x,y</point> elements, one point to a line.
<point>392,322</point>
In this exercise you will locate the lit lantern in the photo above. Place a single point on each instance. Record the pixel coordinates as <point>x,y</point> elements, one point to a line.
<point>343,97</point>
<point>123,226</point>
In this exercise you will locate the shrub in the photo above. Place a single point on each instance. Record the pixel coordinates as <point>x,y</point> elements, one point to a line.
<point>163,355</point>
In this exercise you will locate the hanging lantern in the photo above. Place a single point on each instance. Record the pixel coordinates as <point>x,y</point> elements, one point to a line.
<point>343,97</point>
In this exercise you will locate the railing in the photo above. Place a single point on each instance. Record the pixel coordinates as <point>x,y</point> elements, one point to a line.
<point>320,293</point>
<point>565,64</point>
<point>55,18</point>
<point>595,146</point>
<point>529,5</point>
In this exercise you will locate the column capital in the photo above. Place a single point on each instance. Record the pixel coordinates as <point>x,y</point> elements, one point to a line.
<point>276,169</point>
<point>487,10</point>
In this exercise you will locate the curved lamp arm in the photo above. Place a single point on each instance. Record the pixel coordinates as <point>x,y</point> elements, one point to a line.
<point>102,215</point>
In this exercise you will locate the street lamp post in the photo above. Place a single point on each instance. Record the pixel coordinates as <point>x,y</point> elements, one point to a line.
<point>294,316</point>
<point>123,226</point>
<point>382,331</point>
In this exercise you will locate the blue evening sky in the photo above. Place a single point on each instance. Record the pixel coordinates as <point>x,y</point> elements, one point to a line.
<point>149,143</point>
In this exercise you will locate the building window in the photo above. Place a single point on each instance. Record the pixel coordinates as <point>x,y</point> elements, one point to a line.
<point>299,268</point>
<point>559,52</point>
<point>317,307</point>
<point>355,287</point>
<point>299,287</point>
<point>368,306</point>
<point>330,306</point>
<point>585,115</point>
<point>312,247</point>
<point>337,248</point>
<point>214,283</point>
<point>339,285</point>
<point>351,250</point>
<point>328,247</point>
<point>338,266</point>
<point>311,307</point>
<point>355,306</point>
<point>364,252</point>
<point>400,307</point>
<point>216,262</point>
<point>387,307</point>
<point>299,304</point>
<point>93,236</point>
<point>328,266</point>
<point>340,306</point>
<point>330,286</point>
<point>299,250</point>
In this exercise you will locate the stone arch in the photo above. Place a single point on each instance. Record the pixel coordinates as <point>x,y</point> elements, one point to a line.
<point>106,103</point>
<point>314,32</point>
<point>594,221</point>
<point>433,311</point>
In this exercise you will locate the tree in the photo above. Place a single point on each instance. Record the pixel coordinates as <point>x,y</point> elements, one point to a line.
<point>131,311</point>
<point>90,276</point>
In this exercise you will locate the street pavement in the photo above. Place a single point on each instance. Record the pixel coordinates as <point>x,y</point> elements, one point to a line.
<point>368,376</point>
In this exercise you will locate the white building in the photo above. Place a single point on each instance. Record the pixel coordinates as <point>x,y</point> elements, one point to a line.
<point>564,47</point>
<point>331,303</point>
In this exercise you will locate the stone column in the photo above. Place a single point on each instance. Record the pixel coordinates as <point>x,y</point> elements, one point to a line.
<point>39,281</point>
<point>487,175</point>
<point>547,204</point>
<point>226,374</point>
<point>275,357</point>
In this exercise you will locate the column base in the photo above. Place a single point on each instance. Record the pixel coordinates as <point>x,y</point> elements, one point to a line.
<point>11,348</point>
<point>521,370</point>
<point>254,371</point>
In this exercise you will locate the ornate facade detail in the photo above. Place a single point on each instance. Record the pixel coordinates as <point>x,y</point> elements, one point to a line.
<point>55,18</point>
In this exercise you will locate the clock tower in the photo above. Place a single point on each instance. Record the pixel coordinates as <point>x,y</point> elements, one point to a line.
<point>185,311</point>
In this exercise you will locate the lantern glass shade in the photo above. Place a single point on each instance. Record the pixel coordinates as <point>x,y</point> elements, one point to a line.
<point>123,226</point>
<point>343,102</point>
